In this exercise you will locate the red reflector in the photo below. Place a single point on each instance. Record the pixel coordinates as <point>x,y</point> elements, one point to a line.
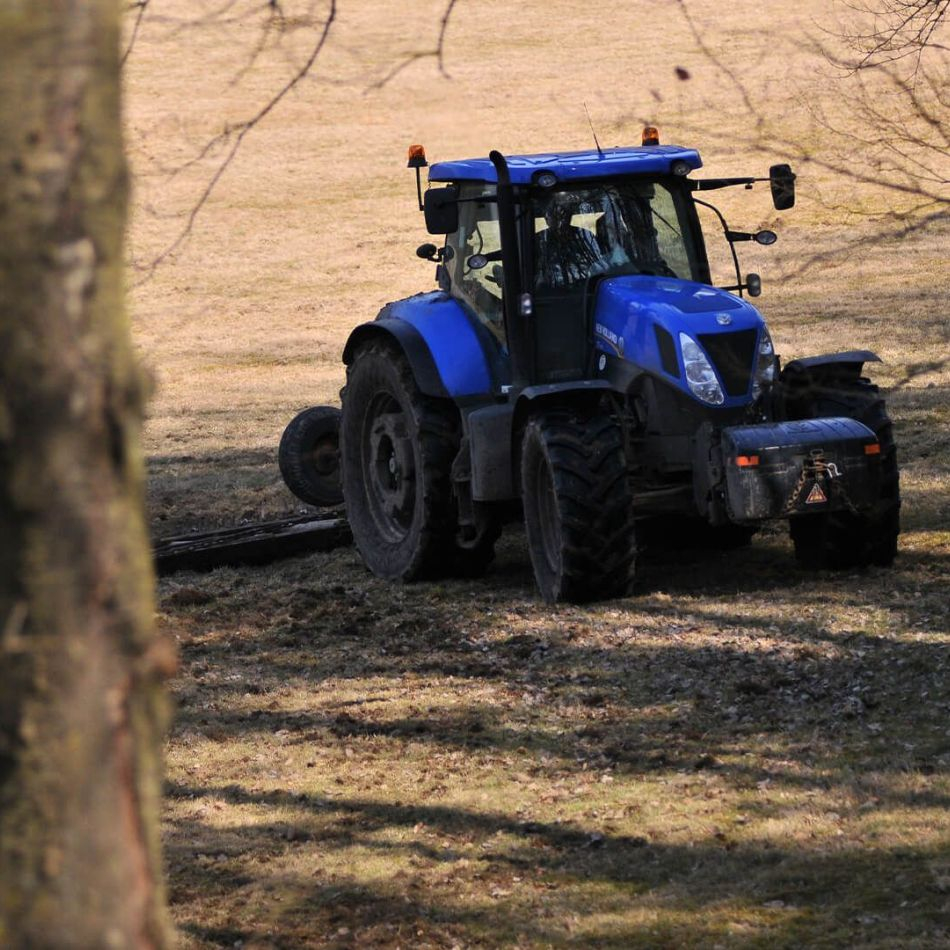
<point>873,449</point>
<point>746,461</point>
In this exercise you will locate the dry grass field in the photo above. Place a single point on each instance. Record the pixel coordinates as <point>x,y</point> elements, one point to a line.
<point>744,754</point>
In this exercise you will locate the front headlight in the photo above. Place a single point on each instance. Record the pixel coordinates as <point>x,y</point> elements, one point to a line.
<point>764,364</point>
<point>699,372</point>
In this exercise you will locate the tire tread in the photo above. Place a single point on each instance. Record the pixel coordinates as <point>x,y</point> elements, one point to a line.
<point>598,550</point>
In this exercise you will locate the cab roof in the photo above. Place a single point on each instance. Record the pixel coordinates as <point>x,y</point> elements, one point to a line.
<point>568,166</point>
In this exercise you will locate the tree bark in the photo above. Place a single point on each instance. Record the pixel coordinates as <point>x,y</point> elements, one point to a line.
<point>81,702</point>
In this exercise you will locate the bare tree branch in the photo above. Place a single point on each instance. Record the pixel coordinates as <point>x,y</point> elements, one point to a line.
<point>233,134</point>
<point>438,52</point>
<point>440,46</point>
<point>275,21</point>
<point>898,30</point>
<point>217,17</point>
<point>236,135</point>
<point>140,6</point>
<point>891,139</point>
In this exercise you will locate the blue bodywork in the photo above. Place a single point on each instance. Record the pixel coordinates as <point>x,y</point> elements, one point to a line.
<point>568,166</point>
<point>471,363</point>
<point>628,309</point>
<point>457,341</point>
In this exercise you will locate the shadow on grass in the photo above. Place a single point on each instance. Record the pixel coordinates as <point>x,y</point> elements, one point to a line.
<point>202,492</point>
<point>648,699</point>
<point>540,876</point>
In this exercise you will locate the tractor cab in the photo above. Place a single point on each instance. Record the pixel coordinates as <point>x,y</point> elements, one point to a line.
<point>531,239</point>
<point>584,234</point>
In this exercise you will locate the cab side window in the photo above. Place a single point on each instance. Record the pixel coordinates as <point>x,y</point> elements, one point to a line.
<point>478,234</point>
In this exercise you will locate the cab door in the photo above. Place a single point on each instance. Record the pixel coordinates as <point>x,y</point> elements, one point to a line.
<point>472,258</point>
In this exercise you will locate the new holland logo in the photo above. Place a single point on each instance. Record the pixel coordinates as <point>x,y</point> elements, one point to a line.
<point>816,496</point>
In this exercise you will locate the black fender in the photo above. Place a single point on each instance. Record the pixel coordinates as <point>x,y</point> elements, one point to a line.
<point>495,432</point>
<point>582,392</point>
<point>850,362</point>
<point>412,345</point>
<point>804,382</point>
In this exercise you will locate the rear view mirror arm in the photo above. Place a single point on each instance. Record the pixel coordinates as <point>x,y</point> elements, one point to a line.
<point>726,232</point>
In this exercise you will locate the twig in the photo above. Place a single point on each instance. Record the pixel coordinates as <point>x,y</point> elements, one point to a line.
<point>242,129</point>
<point>901,29</point>
<point>140,6</point>
<point>438,53</point>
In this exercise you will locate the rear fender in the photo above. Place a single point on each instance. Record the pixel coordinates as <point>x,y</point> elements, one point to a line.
<point>410,343</point>
<point>451,353</point>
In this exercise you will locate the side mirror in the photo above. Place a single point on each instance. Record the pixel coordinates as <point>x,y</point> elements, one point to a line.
<point>428,252</point>
<point>760,237</point>
<point>782,181</point>
<point>753,284</point>
<point>442,210</point>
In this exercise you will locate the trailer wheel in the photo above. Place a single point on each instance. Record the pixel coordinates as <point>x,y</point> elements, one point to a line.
<point>309,456</point>
<point>577,507</point>
<point>397,448</point>
<point>843,539</point>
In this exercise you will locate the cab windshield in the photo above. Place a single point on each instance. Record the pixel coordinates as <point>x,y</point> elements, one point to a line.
<point>636,227</point>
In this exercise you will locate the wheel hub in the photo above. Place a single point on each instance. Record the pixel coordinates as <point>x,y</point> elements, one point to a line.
<point>391,471</point>
<point>325,458</point>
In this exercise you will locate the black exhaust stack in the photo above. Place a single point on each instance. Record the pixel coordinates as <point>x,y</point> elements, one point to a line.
<point>516,319</point>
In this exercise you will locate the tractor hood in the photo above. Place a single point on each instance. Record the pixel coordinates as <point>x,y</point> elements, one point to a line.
<point>641,319</point>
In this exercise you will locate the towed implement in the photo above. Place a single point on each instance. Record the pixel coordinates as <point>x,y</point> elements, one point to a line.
<point>577,368</point>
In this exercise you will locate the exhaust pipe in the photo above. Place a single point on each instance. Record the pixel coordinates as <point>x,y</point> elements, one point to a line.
<point>516,322</point>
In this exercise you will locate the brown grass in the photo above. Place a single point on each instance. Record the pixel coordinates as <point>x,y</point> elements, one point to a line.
<point>744,754</point>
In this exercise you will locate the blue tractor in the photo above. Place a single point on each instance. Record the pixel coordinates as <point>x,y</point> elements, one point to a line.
<point>576,367</point>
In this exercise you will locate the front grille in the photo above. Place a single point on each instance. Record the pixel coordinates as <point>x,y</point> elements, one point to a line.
<point>732,355</point>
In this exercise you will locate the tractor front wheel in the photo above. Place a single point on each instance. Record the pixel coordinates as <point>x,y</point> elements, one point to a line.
<point>844,539</point>
<point>577,506</point>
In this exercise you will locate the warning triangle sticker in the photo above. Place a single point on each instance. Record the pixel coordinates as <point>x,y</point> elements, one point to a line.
<point>816,495</point>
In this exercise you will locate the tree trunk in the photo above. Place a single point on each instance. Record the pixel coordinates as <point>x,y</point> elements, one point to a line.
<point>81,703</point>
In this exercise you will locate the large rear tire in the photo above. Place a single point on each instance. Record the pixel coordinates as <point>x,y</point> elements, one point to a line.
<point>577,507</point>
<point>845,539</point>
<point>396,449</point>
<point>309,456</point>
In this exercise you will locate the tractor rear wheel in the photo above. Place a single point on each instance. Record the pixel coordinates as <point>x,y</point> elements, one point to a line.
<point>843,539</point>
<point>396,450</point>
<point>577,506</point>
<point>309,456</point>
